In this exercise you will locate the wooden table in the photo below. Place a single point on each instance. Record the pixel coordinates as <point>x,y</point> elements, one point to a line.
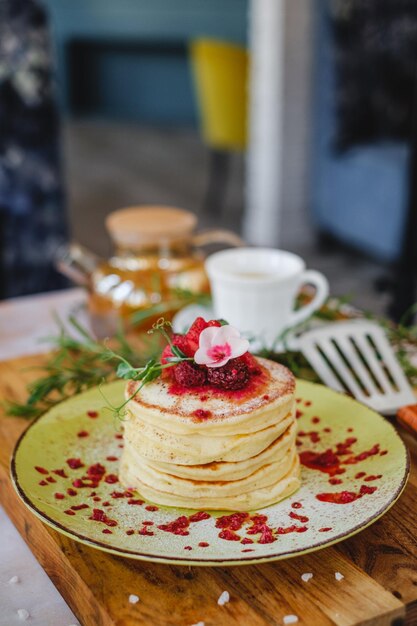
<point>379,565</point>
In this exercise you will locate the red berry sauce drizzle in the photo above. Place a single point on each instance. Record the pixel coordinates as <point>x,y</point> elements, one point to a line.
<point>202,414</point>
<point>241,527</point>
<point>252,525</point>
<point>257,383</point>
<point>335,461</point>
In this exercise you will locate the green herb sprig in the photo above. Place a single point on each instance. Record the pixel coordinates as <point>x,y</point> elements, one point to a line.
<point>147,373</point>
<point>77,365</point>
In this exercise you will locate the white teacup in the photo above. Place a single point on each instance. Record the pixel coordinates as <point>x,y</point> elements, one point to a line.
<point>255,289</point>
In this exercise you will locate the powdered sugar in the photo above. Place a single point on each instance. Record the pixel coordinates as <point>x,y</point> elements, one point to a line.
<point>290,619</point>
<point>338,576</point>
<point>306,577</point>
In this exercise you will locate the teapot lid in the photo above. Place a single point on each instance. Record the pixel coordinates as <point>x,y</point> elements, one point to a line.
<point>149,224</point>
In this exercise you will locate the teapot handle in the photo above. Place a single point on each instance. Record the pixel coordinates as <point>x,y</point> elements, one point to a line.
<point>217,235</point>
<point>76,263</point>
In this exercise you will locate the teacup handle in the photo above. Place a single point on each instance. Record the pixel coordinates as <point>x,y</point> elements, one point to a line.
<point>207,237</point>
<point>319,281</point>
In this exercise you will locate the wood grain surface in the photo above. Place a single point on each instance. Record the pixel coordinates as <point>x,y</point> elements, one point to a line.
<point>379,565</point>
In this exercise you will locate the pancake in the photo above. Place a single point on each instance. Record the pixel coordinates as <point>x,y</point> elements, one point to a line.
<point>195,449</point>
<point>209,448</point>
<point>258,498</point>
<point>198,489</point>
<point>218,470</point>
<point>264,403</point>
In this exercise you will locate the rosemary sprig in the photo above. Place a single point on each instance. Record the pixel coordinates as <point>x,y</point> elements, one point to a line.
<point>77,365</point>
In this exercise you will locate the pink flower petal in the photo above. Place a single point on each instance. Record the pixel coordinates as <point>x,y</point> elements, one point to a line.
<point>217,351</point>
<point>218,345</point>
<point>201,357</point>
<point>238,346</point>
<point>225,333</point>
<point>218,363</point>
<point>207,336</point>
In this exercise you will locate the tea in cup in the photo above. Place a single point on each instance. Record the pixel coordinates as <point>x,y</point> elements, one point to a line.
<point>255,289</point>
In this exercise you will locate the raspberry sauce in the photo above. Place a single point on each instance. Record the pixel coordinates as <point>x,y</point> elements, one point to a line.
<point>345,497</point>
<point>202,414</point>
<point>79,507</point>
<point>180,526</point>
<point>60,472</point>
<point>257,384</point>
<point>301,518</point>
<point>75,463</point>
<point>99,516</point>
<point>330,460</point>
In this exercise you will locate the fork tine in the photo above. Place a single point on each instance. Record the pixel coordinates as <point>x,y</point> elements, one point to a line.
<point>393,365</point>
<point>356,364</point>
<point>373,363</point>
<point>341,368</point>
<point>321,367</point>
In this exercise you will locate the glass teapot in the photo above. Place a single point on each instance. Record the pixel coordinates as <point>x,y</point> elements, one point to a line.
<point>157,268</point>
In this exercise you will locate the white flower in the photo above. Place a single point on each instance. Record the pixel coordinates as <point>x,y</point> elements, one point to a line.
<point>217,345</point>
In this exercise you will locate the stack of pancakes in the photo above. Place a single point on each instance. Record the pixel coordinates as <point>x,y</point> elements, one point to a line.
<point>214,450</point>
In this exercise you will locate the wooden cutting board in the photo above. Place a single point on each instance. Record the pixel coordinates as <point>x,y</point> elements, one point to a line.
<point>379,565</point>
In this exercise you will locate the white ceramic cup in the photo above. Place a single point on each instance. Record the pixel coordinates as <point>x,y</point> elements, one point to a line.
<point>255,289</point>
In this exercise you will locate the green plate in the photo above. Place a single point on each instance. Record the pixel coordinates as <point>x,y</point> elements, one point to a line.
<point>80,428</point>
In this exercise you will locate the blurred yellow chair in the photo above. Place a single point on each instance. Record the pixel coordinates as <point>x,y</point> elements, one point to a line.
<point>220,71</point>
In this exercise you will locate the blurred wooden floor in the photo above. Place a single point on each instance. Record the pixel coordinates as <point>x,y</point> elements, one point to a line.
<point>111,165</point>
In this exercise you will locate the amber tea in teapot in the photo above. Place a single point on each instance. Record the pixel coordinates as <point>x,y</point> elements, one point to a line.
<point>157,268</point>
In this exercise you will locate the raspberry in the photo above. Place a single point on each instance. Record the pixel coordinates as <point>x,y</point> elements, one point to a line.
<point>193,335</point>
<point>251,363</point>
<point>188,343</point>
<point>166,354</point>
<point>194,332</point>
<point>189,375</point>
<point>182,342</point>
<point>234,375</point>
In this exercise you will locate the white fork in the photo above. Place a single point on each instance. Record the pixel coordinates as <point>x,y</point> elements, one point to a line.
<point>355,356</point>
